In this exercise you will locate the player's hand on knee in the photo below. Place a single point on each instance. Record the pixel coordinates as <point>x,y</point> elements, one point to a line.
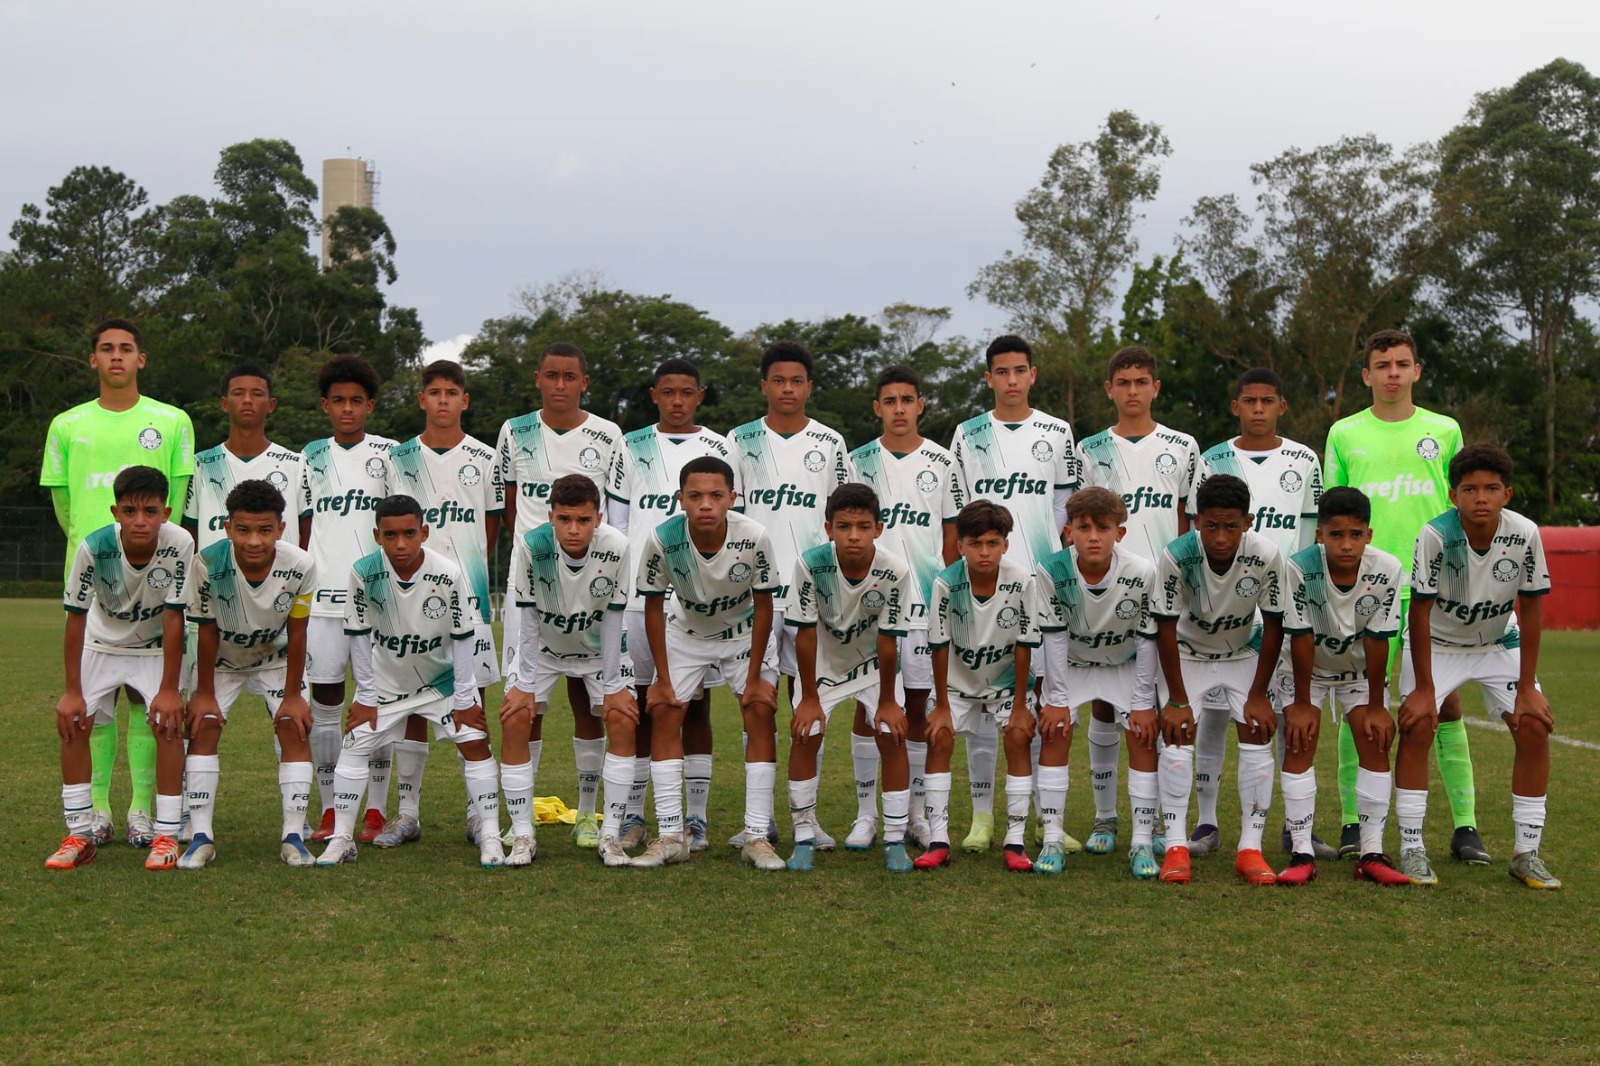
<point>516,703</point>
<point>1375,724</point>
<point>1300,727</point>
<point>1054,721</point>
<point>72,716</point>
<point>166,711</point>
<point>1259,718</point>
<point>471,718</point>
<point>941,725</point>
<point>758,691</point>
<point>621,706</point>
<point>1531,705</point>
<point>294,713</point>
<point>1177,724</point>
<point>892,721</point>
<point>808,719</point>
<point>360,714</point>
<point>1143,727</point>
<point>1419,710</point>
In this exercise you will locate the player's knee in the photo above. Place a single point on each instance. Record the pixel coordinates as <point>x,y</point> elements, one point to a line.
<point>942,746</point>
<point>889,744</point>
<point>1420,731</point>
<point>475,750</point>
<point>517,726</point>
<point>208,728</point>
<point>1533,732</point>
<point>759,717</point>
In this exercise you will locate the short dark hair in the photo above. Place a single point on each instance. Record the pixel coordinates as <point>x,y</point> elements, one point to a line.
<point>245,370</point>
<point>897,374</point>
<point>1099,504</point>
<point>677,366</point>
<point>448,369</point>
<point>787,352</point>
<point>1344,501</point>
<point>1222,492</point>
<point>348,370</point>
<point>116,323</point>
<point>1383,340</point>
<point>1003,345</point>
<point>569,351</point>
<point>1133,357</point>
<point>983,516</point>
<point>851,496</point>
<point>1258,375</point>
<point>1476,457</point>
<point>140,483</point>
<point>255,497</point>
<point>574,490</point>
<point>705,464</point>
<point>398,506</point>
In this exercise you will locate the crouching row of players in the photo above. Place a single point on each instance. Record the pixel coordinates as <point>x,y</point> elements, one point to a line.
<point>1211,615</point>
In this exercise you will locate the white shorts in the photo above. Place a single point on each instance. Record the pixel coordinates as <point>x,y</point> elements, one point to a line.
<point>390,727</point>
<point>644,664</point>
<point>102,673</point>
<point>695,664</point>
<point>1087,682</point>
<point>965,714</point>
<point>327,650</point>
<point>864,694</point>
<point>1496,673</point>
<point>1226,682</point>
<point>788,659</point>
<point>269,684</point>
<point>548,671</point>
<point>916,661</point>
<point>1344,696</point>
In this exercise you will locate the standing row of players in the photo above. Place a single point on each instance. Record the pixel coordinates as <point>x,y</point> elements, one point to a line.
<point>782,470</point>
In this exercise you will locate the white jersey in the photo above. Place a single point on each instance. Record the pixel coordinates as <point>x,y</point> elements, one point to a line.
<point>458,488</point>
<point>1339,618</point>
<point>917,494</point>
<point>533,456</point>
<point>1285,489</point>
<point>982,634</point>
<point>571,601</point>
<point>1104,625</point>
<point>411,624</point>
<point>714,599</point>
<point>1217,613</point>
<point>252,619</point>
<point>849,616</point>
<point>217,471</point>
<point>1151,474</point>
<point>343,485</point>
<point>125,603</point>
<point>787,481</point>
<point>644,478</point>
<point>1475,594</point>
<point>1021,466</point>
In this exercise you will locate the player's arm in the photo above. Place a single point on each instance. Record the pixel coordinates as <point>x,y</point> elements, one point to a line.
<point>948,547</point>
<point>465,703</point>
<point>808,717</point>
<point>1530,701</point>
<point>891,717</point>
<point>1177,717</point>
<point>203,700</point>
<point>939,719</point>
<point>617,513</point>
<point>756,689</point>
<point>1258,712</point>
<point>71,711</point>
<point>1055,714</point>
<point>1143,718</point>
<point>294,709</point>
<point>618,683</point>
<point>655,634</point>
<point>491,530</point>
<point>508,517</point>
<point>518,697</point>
<point>61,499</point>
<point>167,707</point>
<point>1372,719</point>
<point>1300,716</point>
<point>364,705</point>
<point>1021,716</point>
<point>1420,701</point>
<point>305,529</point>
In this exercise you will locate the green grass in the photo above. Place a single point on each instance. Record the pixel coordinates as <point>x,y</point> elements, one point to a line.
<point>418,954</point>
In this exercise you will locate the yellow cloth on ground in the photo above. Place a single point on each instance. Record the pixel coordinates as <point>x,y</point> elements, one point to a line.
<point>550,810</point>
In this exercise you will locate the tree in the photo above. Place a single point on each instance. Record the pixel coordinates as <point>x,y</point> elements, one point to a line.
<point>1077,236</point>
<point>1517,212</point>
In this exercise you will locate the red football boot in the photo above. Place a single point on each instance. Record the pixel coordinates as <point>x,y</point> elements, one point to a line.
<point>1377,868</point>
<point>933,858</point>
<point>325,830</point>
<point>1302,870</point>
<point>1252,868</point>
<point>1175,866</point>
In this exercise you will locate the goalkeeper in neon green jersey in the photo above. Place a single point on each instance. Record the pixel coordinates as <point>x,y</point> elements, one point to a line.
<point>86,448</point>
<point>1399,455</point>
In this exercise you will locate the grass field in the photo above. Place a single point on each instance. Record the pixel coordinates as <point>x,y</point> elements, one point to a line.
<point>418,954</point>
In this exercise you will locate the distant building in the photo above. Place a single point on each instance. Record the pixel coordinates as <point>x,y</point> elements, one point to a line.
<point>345,183</point>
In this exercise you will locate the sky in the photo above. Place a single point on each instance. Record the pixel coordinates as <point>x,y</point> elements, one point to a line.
<point>760,161</point>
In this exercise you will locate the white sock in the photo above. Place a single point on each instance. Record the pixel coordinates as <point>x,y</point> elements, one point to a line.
<point>896,813</point>
<point>938,807</point>
<point>326,739</point>
<point>1019,797</point>
<point>1053,802</point>
<point>201,773</point>
<point>410,759</point>
<point>802,808</point>
<point>643,772</point>
<point>1035,746</point>
<point>1105,741</point>
<point>983,752</point>
<point>1300,808</point>
<point>294,785</point>
<point>864,754</point>
<point>169,815</point>
<point>760,778</point>
<point>667,776</point>
<point>589,756</point>
<point>617,776</point>
<point>483,785</point>
<point>1410,808</point>
<point>917,756</point>
<point>379,764</point>
<point>1175,773</point>
<point>1256,771</point>
<point>1372,807</point>
<point>516,782</point>
<point>466,782</point>
<point>1527,813</point>
<point>1142,796</point>
<point>349,781</point>
<point>77,805</point>
<point>1210,746</point>
<point>697,784</point>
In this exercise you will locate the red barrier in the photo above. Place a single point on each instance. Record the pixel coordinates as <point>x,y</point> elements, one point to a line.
<point>1574,557</point>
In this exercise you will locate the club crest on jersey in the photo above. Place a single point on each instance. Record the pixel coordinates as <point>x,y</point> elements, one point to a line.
<point>469,475</point>
<point>375,467</point>
<point>589,458</point>
<point>872,600</point>
<point>1247,587</point>
<point>1166,464</point>
<point>281,602</point>
<point>433,607</point>
<point>927,481</point>
<point>1368,605</point>
<point>1042,451</point>
<point>1008,617</point>
<point>150,438</point>
<point>1505,570</point>
<point>279,480</point>
<point>1428,448</point>
<point>159,578</point>
<point>1290,481</point>
<point>814,461</point>
<point>1127,609</point>
<point>739,573</point>
<point>601,587</point>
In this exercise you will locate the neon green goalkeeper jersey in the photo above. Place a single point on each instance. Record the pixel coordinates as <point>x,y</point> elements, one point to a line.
<point>1403,467</point>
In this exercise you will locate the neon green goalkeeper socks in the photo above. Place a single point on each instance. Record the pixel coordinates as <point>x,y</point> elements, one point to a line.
<point>1455,768</point>
<point>103,759</point>
<point>141,760</point>
<point>1349,766</point>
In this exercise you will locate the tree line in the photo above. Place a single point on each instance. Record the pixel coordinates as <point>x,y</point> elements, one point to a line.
<point>1485,244</point>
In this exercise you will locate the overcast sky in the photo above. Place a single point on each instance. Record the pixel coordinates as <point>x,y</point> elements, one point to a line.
<point>758,164</point>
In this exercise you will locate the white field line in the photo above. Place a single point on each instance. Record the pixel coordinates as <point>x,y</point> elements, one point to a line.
<point>1484,723</point>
